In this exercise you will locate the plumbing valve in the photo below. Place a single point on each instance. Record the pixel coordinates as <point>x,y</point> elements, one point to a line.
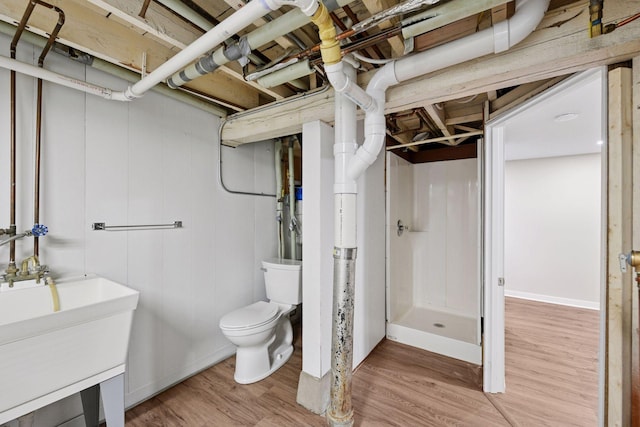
<point>39,230</point>
<point>633,259</point>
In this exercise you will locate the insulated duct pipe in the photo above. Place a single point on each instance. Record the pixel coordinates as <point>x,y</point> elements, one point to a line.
<point>497,39</point>
<point>267,33</point>
<point>288,74</point>
<point>233,24</point>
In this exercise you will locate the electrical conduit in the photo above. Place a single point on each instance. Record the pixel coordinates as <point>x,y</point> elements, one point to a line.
<point>497,39</point>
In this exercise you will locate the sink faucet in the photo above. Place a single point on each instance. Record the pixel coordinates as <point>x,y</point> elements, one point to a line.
<point>37,272</point>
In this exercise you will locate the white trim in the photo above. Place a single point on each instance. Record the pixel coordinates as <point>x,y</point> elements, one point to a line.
<point>604,191</point>
<point>460,350</point>
<point>493,338</point>
<point>591,305</point>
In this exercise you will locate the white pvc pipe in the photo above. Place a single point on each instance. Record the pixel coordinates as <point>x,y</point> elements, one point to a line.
<point>232,25</point>
<point>496,39</point>
<point>374,122</point>
<point>344,187</point>
<point>267,33</point>
<point>50,76</point>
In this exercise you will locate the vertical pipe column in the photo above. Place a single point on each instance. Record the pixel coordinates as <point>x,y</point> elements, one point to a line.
<point>292,199</point>
<point>279,196</point>
<point>340,411</point>
<point>36,185</point>
<point>36,179</point>
<point>11,269</point>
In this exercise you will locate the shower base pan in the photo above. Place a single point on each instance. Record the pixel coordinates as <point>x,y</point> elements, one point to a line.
<point>439,332</point>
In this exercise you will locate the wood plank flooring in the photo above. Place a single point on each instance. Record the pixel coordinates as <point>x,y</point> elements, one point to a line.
<point>551,381</point>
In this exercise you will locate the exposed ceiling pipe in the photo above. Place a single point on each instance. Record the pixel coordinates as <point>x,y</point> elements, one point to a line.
<point>114,70</point>
<point>438,16</point>
<point>233,24</point>
<point>280,26</point>
<point>186,12</point>
<point>287,74</point>
<point>497,39</point>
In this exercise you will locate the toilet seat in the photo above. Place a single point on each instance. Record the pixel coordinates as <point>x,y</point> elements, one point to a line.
<point>250,317</point>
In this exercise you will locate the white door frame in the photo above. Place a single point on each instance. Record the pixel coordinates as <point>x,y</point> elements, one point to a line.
<point>493,248</point>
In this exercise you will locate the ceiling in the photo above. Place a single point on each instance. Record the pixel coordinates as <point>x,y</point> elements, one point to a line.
<point>567,120</point>
<point>140,35</point>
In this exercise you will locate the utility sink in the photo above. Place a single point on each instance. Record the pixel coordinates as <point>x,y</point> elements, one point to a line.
<point>46,356</point>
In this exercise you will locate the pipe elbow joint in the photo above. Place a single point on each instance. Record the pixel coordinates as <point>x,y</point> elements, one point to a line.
<point>127,95</point>
<point>365,156</point>
<point>330,47</point>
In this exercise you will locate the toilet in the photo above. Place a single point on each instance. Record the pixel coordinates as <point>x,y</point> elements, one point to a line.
<point>262,331</point>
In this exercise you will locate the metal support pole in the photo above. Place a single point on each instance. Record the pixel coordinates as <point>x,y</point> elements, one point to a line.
<point>340,412</point>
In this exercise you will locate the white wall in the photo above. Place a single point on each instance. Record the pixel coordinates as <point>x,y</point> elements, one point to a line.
<point>153,160</point>
<point>369,312</point>
<point>552,229</point>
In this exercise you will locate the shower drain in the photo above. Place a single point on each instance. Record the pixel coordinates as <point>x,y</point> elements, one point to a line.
<point>438,325</point>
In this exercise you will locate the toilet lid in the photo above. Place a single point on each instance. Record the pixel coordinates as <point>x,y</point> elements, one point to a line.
<point>253,315</point>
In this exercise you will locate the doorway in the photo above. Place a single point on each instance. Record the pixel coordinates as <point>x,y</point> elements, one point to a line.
<point>543,203</point>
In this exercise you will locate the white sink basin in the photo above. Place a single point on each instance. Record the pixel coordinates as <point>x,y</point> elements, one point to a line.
<point>43,353</point>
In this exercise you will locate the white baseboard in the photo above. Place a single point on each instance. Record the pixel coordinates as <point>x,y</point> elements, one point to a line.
<point>591,305</point>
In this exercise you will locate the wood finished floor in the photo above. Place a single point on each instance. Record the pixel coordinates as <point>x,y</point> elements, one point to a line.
<point>551,356</point>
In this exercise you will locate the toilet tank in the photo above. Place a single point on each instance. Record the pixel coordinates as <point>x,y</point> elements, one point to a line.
<point>283,280</point>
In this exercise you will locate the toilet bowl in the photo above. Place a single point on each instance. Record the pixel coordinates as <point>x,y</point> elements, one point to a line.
<point>262,331</point>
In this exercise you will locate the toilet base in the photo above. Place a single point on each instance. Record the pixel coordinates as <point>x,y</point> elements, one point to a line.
<point>281,356</point>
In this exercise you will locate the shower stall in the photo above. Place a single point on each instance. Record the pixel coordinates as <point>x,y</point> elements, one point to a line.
<point>433,256</point>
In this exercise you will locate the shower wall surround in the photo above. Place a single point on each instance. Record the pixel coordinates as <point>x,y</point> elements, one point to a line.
<point>433,265</point>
